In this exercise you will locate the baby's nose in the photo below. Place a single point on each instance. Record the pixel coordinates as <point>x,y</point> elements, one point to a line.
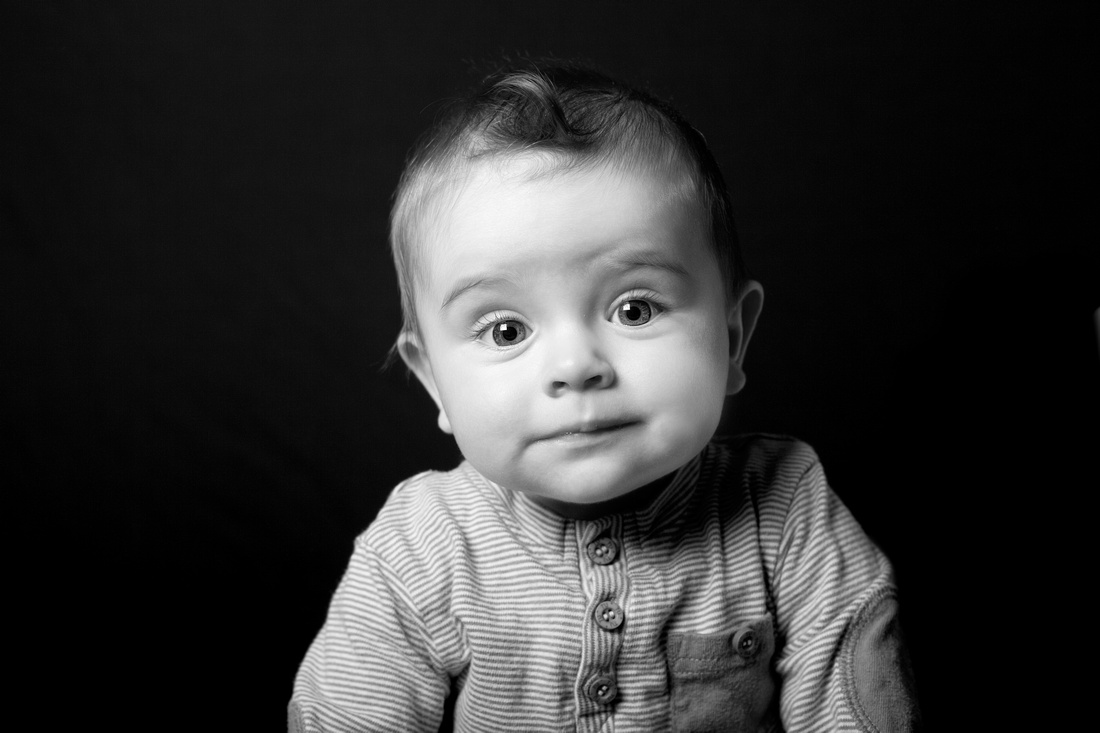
<point>576,363</point>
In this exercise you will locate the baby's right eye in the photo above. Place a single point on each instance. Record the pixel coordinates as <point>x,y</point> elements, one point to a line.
<point>508,333</point>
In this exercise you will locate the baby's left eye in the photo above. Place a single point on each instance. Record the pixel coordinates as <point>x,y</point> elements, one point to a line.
<point>635,312</point>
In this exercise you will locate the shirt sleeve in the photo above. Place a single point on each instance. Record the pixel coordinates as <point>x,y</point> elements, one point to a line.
<point>373,666</point>
<point>842,660</point>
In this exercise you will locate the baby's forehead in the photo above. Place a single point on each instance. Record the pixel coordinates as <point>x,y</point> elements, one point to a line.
<point>496,177</point>
<point>522,215</point>
<point>497,188</point>
<point>554,168</point>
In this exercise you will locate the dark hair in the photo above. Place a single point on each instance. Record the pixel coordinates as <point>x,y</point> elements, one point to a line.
<point>575,115</point>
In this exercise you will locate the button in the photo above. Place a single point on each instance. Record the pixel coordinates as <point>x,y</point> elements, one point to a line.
<point>609,615</point>
<point>746,643</point>
<point>602,689</point>
<point>603,551</point>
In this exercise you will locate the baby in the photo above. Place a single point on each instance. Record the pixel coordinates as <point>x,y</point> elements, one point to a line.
<point>576,307</point>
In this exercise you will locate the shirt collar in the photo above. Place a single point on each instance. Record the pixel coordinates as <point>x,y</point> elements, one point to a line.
<point>550,529</point>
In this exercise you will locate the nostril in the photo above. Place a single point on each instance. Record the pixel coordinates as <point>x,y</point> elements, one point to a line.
<point>581,374</point>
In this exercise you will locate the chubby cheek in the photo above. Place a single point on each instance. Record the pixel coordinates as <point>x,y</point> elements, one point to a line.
<point>485,408</point>
<point>689,383</point>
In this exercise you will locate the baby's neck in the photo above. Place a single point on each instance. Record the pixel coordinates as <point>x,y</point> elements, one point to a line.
<point>631,502</point>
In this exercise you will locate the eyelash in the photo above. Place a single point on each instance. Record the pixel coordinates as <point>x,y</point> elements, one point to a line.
<point>488,322</point>
<point>650,298</point>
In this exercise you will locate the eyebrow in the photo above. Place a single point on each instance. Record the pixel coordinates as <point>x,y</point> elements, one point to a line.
<point>648,260</point>
<point>634,261</point>
<point>466,286</point>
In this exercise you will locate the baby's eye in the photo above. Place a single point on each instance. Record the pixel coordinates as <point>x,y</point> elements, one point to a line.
<point>508,333</point>
<point>634,312</point>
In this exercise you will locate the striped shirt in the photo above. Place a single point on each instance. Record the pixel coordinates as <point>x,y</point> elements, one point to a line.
<point>743,597</point>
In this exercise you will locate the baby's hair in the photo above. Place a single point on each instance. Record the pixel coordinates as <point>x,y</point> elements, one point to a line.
<point>569,116</point>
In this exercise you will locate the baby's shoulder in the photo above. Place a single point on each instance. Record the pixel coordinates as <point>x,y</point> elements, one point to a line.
<point>768,447</point>
<point>771,469</point>
<point>429,509</point>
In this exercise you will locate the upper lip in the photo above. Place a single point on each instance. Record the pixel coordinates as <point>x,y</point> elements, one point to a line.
<point>590,426</point>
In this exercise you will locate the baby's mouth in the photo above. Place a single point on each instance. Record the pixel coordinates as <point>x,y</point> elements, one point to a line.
<point>588,431</point>
<point>593,429</point>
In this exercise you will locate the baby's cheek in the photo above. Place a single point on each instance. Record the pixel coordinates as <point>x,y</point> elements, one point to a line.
<point>490,412</point>
<point>700,361</point>
<point>692,387</point>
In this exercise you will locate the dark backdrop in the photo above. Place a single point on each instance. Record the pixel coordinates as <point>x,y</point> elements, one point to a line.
<point>197,299</point>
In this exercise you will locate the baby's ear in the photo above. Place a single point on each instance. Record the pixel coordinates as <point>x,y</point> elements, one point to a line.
<point>741,318</point>
<point>416,359</point>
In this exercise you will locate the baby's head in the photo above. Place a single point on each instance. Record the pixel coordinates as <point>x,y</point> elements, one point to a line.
<point>573,295</point>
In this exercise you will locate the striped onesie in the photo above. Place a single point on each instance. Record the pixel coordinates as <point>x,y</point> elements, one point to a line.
<point>744,597</point>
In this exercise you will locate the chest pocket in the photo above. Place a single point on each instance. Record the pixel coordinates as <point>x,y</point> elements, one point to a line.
<point>724,682</point>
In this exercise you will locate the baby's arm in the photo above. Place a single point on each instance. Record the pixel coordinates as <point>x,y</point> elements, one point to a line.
<point>373,666</point>
<point>842,662</point>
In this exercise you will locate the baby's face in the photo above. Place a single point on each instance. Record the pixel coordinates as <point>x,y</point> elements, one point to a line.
<point>574,330</point>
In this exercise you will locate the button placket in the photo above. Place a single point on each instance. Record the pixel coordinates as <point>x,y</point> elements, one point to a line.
<point>606,588</point>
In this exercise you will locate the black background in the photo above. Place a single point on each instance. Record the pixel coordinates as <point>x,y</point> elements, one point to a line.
<point>197,299</point>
